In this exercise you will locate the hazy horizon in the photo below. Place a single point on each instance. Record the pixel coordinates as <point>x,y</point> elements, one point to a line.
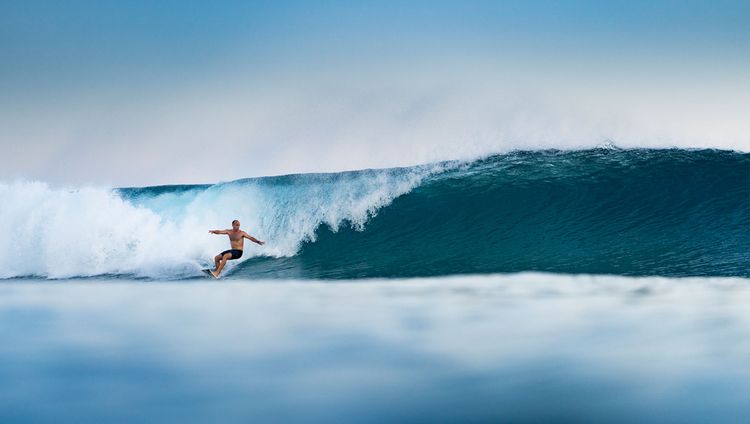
<point>133,94</point>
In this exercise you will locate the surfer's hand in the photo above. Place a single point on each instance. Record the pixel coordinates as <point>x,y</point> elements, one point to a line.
<point>261,242</point>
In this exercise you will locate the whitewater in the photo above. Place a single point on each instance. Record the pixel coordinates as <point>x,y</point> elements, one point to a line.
<point>643,212</point>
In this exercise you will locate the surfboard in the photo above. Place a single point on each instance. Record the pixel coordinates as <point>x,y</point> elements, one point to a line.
<point>208,273</point>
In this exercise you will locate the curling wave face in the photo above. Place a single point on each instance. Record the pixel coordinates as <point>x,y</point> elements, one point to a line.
<point>604,211</point>
<point>161,232</point>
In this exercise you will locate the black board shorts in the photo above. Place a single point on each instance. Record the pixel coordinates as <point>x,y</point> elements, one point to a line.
<point>236,253</point>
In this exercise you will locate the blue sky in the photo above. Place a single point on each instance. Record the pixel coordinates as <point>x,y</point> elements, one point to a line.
<point>142,92</point>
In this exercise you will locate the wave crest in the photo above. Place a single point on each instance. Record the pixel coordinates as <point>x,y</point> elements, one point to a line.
<point>161,232</point>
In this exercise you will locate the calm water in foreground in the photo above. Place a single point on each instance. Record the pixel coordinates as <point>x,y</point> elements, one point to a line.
<point>505,348</point>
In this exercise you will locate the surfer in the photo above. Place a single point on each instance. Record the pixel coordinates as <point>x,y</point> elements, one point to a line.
<point>236,241</point>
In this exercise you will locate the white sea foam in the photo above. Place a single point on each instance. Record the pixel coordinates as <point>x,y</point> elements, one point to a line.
<point>61,232</point>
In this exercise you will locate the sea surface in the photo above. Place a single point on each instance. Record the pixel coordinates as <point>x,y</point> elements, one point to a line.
<point>600,285</point>
<point>494,348</point>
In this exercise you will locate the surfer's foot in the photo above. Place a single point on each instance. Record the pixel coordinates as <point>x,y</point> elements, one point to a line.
<point>214,274</point>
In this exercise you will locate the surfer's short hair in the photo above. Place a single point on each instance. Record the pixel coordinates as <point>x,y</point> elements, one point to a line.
<point>236,220</point>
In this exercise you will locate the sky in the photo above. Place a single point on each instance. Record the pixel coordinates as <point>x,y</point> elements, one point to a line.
<point>177,92</point>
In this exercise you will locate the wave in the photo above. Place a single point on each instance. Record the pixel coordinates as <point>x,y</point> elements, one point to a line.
<point>161,232</point>
<point>600,211</point>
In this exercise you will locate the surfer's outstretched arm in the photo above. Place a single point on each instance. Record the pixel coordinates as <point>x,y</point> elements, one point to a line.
<point>252,239</point>
<point>218,231</point>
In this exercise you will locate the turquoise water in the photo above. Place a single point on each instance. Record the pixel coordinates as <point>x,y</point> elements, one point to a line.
<point>497,348</point>
<point>635,212</point>
<point>632,212</point>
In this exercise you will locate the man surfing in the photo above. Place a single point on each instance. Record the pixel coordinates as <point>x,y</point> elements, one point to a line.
<point>236,241</point>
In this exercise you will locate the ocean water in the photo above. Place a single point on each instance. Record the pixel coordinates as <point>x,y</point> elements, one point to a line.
<point>493,348</point>
<point>602,211</point>
<point>601,285</point>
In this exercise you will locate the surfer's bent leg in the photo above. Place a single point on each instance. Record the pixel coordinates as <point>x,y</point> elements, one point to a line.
<point>225,256</point>
<point>219,257</point>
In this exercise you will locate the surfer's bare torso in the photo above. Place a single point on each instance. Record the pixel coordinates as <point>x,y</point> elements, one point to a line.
<point>237,239</point>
